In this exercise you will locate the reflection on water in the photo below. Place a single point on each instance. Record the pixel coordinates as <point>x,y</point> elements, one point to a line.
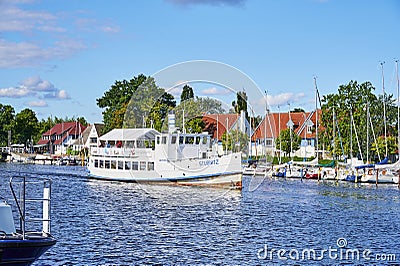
<point>112,223</point>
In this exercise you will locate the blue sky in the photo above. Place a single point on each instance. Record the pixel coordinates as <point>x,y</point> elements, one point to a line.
<point>57,57</point>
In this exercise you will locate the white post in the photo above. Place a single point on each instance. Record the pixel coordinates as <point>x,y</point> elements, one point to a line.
<point>46,210</point>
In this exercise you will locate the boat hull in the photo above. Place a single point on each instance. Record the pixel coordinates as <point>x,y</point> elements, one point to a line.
<point>22,252</point>
<point>232,179</point>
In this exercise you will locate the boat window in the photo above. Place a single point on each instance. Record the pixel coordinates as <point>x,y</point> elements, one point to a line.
<point>113,165</point>
<point>96,163</point>
<point>120,165</point>
<point>107,164</point>
<point>127,165</point>
<point>204,155</point>
<point>142,166</point>
<point>173,139</point>
<point>189,140</point>
<point>181,139</point>
<point>204,140</point>
<point>129,144</point>
<point>158,140</point>
<point>101,164</point>
<point>135,166</point>
<point>197,140</point>
<point>164,140</point>
<point>140,144</point>
<point>150,166</point>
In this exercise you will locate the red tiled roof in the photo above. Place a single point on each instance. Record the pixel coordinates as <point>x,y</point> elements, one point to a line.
<point>210,121</point>
<point>68,128</point>
<point>278,121</point>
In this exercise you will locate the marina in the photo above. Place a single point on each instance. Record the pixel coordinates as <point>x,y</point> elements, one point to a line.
<point>118,223</point>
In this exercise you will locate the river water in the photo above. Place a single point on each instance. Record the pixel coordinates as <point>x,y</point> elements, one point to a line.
<point>271,221</point>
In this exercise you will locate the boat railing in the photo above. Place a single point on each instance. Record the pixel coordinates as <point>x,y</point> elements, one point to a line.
<point>21,201</point>
<point>123,151</point>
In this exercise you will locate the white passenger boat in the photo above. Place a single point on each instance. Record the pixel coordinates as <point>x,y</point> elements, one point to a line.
<point>145,155</point>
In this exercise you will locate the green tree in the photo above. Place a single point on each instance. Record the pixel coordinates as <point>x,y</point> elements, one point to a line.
<point>149,105</point>
<point>115,101</point>
<point>241,103</point>
<point>378,147</point>
<point>135,103</point>
<point>287,143</point>
<point>25,126</point>
<point>351,103</point>
<point>194,109</point>
<point>7,114</point>
<point>187,93</point>
<point>237,141</point>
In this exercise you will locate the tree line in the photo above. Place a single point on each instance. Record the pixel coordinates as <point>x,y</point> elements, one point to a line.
<point>25,127</point>
<point>344,128</point>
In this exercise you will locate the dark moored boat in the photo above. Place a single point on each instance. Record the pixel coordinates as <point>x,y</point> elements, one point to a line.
<point>20,246</point>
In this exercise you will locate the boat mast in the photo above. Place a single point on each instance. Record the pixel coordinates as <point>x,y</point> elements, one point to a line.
<point>333,133</point>
<point>367,132</point>
<point>265,125</point>
<point>290,131</point>
<point>316,116</point>
<point>279,130</point>
<point>384,108</point>
<point>398,108</point>
<point>351,134</point>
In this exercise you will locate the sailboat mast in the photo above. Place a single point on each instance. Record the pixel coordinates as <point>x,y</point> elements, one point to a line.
<point>367,132</point>
<point>316,116</point>
<point>384,108</point>
<point>290,130</point>
<point>398,108</point>
<point>334,133</point>
<point>279,130</point>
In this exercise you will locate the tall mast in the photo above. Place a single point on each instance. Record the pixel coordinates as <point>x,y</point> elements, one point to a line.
<point>265,125</point>
<point>316,116</point>
<point>384,108</point>
<point>367,132</point>
<point>334,133</point>
<point>398,108</point>
<point>279,132</point>
<point>290,131</point>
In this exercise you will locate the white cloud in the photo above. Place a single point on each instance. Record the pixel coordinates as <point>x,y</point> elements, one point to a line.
<point>62,95</point>
<point>34,86</point>
<point>35,83</point>
<point>25,54</point>
<point>283,98</point>
<point>21,16</point>
<point>13,18</point>
<point>40,103</point>
<point>215,91</point>
<point>15,92</point>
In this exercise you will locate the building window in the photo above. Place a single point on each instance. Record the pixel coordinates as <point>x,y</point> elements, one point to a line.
<point>309,129</point>
<point>142,166</point>
<point>93,140</point>
<point>135,166</point>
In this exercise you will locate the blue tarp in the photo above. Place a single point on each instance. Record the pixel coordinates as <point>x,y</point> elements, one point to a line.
<point>384,161</point>
<point>371,165</point>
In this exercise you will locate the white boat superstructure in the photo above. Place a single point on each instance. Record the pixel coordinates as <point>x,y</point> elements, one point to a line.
<point>145,155</point>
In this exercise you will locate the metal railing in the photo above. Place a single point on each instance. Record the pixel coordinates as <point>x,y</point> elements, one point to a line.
<point>21,202</point>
